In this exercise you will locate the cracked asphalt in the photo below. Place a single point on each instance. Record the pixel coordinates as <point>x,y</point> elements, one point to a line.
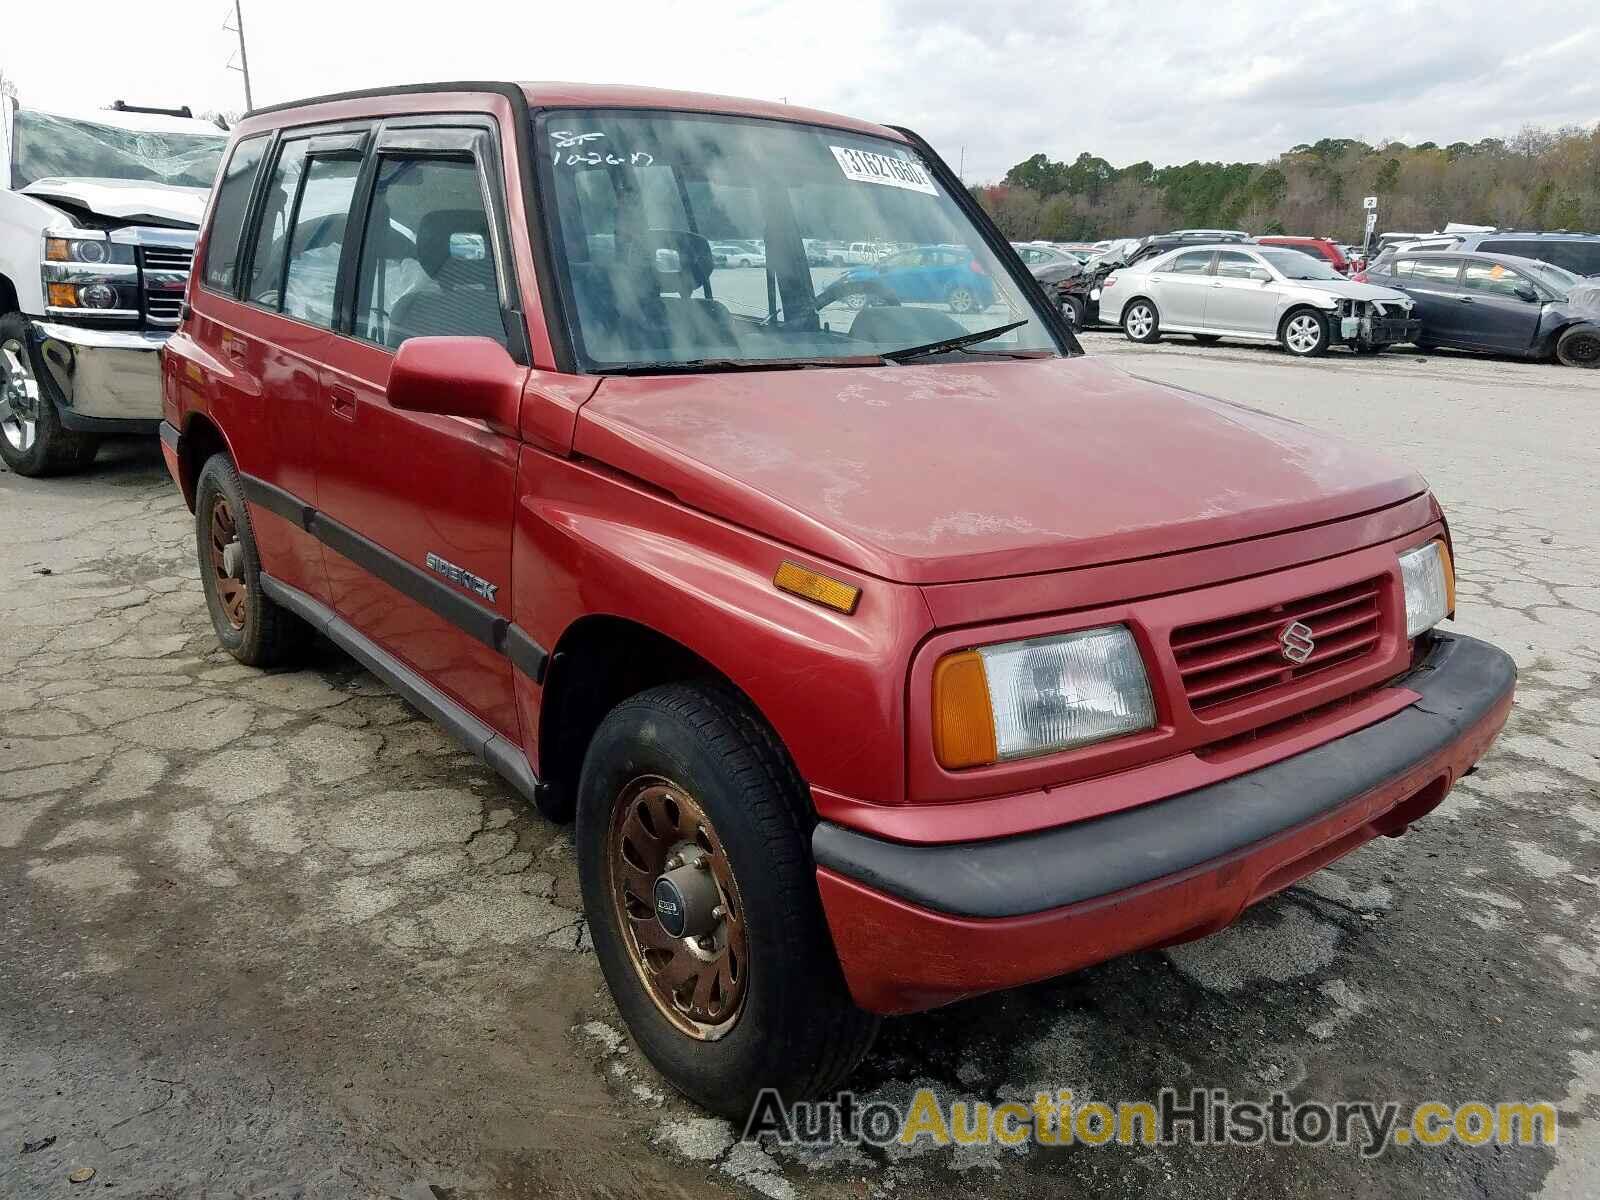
<point>274,935</point>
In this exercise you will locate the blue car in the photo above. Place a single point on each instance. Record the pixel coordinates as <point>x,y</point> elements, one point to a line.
<point>924,275</point>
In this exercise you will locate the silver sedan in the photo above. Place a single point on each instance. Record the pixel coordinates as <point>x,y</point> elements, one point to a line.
<point>1264,294</point>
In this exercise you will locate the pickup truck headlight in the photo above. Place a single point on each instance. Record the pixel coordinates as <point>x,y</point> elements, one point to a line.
<point>1020,699</point>
<point>86,248</point>
<point>1430,585</point>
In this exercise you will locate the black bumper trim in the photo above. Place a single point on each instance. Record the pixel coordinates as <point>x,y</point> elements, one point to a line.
<point>111,426</point>
<point>171,437</point>
<point>1461,680</point>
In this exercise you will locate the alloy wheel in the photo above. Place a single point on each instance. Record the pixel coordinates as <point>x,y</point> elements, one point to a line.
<point>1141,321</point>
<point>962,300</point>
<point>678,908</point>
<point>1303,334</point>
<point>227,563</point>
<point>19,397</point>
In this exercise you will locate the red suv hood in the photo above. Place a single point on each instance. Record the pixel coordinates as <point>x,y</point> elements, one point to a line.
<point>943,472</point>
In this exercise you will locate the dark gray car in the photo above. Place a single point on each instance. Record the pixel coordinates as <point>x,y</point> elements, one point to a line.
<point>1498,303</point>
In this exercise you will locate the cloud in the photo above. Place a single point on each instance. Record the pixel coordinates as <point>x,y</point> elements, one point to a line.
<point>1124,79</point>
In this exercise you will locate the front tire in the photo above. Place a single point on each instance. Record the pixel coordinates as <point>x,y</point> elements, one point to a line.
<point>1579,348</point>
<point>33,441</point>
<point>1072,312</point>
<point>1141,322</point>
<point>250,626</point>
<point>1305,333</point>
<point>686,774</point>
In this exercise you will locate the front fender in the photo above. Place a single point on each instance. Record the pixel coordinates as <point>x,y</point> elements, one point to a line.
<point>832,685</point>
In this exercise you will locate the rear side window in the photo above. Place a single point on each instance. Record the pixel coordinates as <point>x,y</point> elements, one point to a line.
<point>1580,256</point>
<point>318,239</point>
<point>265,285</point>
<point>426,268</point>
<point>228,213</point>
<point>1440,271</point>
<point>1194,263</point>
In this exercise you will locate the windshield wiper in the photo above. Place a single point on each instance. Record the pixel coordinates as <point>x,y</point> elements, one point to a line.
<point>952,343</point>
<point>691,366</point>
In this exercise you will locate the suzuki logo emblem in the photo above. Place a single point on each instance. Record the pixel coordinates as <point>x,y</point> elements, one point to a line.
<point>1296,642</point>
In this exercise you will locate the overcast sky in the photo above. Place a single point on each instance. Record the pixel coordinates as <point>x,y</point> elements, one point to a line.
<point>1001,79</point>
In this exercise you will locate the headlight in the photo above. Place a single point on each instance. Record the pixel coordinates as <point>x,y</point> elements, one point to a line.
<point>86,249</point>
<point>1430,584</point>
<point>1020,699</point>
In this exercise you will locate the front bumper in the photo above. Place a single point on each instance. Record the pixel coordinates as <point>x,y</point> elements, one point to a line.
<point>105,380</point>
<point>1380,331</point>
<point>920,926</point>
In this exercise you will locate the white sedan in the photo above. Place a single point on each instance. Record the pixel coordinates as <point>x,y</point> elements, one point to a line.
<point>1255,293</point>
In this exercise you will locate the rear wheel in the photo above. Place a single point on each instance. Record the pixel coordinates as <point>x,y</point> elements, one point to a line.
<point>962,299</point>
<point>1072,312</point>
<point>249,624</point>
<point>1579,348</point>
<point>1141,322</point>
<point>32,439</point>
<point>701,896</point>
<point>1305,333</point>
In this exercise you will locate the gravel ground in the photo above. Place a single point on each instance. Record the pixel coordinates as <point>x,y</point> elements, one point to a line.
<point>273,935</point>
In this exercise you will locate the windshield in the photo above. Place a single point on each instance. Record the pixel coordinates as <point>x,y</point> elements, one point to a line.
<point>47,146</point>
<point>1292,264</point>
<point>858,250</point>
<point>1557,279</point>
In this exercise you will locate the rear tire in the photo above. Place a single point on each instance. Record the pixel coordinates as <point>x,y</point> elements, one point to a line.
<point>1579,348</point>
<point>33,441</point>
<point>793,1025</point>
<point>1304,333</point>
<point>962,300</point>
<point>1072,312</point>
<point>250,626</point>
<point>1141,322</point>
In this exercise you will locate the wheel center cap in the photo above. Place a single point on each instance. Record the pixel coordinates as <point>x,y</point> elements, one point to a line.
<point>233,559</point>
<point>686,900</point>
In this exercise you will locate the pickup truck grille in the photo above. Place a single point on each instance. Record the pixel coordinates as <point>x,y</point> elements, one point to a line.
<point>1239,658</point>
<point>166,258</point>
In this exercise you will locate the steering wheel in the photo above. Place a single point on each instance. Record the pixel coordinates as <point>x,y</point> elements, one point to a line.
<point>842,287</point>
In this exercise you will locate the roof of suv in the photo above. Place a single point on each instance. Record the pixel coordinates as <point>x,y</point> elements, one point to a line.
<point>587,95</point>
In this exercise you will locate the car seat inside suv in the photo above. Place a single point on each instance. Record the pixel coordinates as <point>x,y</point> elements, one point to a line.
<point>459,292</point>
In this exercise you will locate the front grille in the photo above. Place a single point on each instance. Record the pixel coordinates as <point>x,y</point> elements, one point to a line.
<point>166,258</point>
<point>1239,658</point>
<point>164,308</point>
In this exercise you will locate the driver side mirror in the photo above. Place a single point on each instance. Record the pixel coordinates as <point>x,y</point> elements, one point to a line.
<point>457,377</point>
<point>1259,275</point>
<point>1525,292</point>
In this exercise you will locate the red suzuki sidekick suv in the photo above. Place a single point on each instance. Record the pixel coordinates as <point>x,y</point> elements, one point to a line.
<point>887,649</point>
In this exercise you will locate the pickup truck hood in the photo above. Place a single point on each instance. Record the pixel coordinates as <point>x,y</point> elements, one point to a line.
<point>941,473</point>
<point>126,199</point>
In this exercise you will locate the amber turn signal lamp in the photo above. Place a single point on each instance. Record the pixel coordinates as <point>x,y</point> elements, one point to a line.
<point>963,720</point>
<point>819,589</point>
<point>62,295</point>
<point>1449,577</point>
<point>57,250</point>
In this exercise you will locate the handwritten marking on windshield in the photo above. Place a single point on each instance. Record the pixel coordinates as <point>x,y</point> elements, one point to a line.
<point>565,139</point>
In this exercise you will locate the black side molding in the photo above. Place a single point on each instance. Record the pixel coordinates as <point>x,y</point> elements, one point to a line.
<point>1461,681</point>
<point>492,748</point>
<point>477,621</point>
<point>170,436</point>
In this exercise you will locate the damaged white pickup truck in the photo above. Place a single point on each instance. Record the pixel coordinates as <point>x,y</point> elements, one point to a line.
<point>98,214</point>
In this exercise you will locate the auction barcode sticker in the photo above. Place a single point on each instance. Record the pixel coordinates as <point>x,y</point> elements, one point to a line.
<point>865,166</point>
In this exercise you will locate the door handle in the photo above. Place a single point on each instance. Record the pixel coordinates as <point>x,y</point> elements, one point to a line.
<point>343,401</point>
<point>1216,283</point>
<point>1466,299</point>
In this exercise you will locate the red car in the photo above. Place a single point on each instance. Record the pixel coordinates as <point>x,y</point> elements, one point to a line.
<point>884,656</point>
<point>1321,248</point>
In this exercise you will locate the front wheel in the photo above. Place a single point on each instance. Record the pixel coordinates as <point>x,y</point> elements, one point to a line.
<point>1072,312</point>
<point>1141,323</point>
<point>1305,334</point>
<point>1579,348</point>
<point>33,441</point>
<point>701,897</point>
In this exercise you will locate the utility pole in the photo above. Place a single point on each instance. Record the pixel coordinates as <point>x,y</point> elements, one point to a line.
<point>244,58</point>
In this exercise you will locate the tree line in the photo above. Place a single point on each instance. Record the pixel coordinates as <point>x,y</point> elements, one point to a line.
<point>1539,179</point>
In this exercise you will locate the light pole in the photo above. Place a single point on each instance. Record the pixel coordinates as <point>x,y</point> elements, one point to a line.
<point>244,57</point>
